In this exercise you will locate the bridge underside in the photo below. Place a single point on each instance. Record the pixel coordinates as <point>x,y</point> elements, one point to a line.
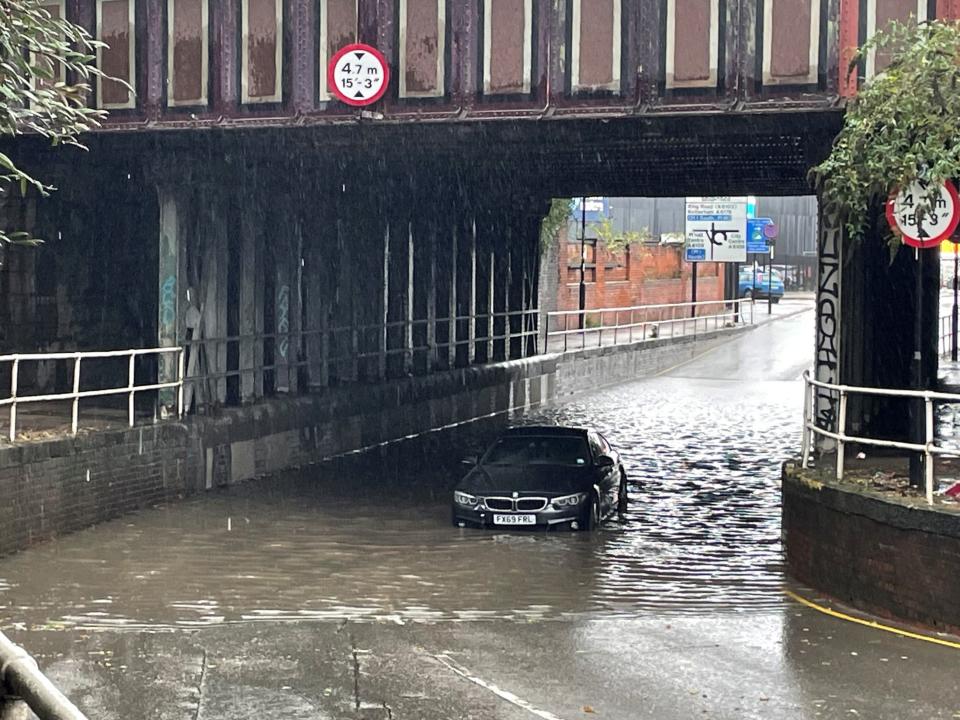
<point>323,255</point>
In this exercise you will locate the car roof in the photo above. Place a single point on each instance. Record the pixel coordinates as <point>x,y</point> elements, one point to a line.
<point>556,430</point>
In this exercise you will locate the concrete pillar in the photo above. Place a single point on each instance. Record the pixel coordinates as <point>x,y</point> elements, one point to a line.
<point>169,291</point>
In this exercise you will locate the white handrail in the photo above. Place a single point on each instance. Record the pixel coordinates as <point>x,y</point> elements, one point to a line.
<point>840,436</point>
<point>130,388</point>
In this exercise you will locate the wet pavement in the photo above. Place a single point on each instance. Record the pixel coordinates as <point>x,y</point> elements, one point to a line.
<point>344,595</point>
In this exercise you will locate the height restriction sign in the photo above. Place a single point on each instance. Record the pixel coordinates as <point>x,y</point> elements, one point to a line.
<point>926,229</point>
<point>358,75</point>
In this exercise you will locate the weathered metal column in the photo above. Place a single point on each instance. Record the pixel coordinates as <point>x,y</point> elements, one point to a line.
<point>408,304</point>
<point>169,289</point>
<point>286,305</point>
<point>251,265</point>
<point>383,316</point>
<point>472,291</point>
<point>213,237</point>
<point>431,317</point>
<point>452,300</point>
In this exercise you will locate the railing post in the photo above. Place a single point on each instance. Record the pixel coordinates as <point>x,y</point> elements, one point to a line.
<point>841,432</point>
<point>76,391</point>
<point>14,374</point>
<point>805,438</point>
<point>928,456</point>
<point>130,363</point>
<point>181,355</point>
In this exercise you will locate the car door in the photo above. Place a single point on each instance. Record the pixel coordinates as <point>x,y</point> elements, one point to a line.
<point>607,477</point>
<point>618,475</point>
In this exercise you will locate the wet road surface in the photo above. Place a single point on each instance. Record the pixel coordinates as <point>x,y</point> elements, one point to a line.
<point>335,595</point>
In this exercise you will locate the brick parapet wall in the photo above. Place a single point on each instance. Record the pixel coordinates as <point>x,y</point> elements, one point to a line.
<point>651,275</point>
<point>883,556</point>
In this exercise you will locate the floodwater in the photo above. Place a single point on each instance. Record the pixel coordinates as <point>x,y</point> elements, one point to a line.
<point>702,447</point>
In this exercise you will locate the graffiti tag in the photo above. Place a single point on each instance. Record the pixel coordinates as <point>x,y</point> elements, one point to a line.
<point>283,320</point>
<point>827,361</point>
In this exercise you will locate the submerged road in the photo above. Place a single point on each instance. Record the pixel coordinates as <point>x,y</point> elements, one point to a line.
<point>318,595</point>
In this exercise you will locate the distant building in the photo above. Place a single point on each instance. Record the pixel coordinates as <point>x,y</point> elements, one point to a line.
<point>654,272</point>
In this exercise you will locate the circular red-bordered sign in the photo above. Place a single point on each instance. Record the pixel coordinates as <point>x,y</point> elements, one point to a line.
<point>935,225</point>
<point>358,75</point>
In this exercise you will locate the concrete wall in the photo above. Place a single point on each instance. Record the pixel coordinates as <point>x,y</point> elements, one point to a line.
<point>885,557</point>
<point>49,488</point>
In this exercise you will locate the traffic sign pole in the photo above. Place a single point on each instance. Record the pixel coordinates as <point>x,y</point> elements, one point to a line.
<point>953,318</point>
<point>693,294</point>
<point>917,415</point>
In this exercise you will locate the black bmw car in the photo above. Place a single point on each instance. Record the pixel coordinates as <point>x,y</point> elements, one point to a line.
<point>541,475</point>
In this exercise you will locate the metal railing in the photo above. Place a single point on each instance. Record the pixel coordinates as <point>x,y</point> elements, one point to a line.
<point>421,345</point>
<point>946,335</point>
<point>131,388</point>
<point>623,325</point>
<point>928,448</point>
<point>22,683</point>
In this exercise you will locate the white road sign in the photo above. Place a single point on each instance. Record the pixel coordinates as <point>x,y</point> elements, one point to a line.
<point>358,75</point>
<point>927,229</point>
<point>716,229</point>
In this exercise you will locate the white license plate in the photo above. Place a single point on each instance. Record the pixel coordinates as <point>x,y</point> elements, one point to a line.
<point>514,519</point>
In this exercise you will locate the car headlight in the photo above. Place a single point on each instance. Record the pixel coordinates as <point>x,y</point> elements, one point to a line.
<point>569,500</point>
<point>462,498</point>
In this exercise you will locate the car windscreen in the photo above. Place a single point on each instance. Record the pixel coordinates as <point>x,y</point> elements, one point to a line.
<point>539,450</point>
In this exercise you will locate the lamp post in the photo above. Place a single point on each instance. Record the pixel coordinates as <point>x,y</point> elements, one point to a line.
<point>583,259</point>
<point>770,243</point>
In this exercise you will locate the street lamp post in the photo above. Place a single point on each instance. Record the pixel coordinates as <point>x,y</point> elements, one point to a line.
<point>583,259</point>
<point>770,244</point>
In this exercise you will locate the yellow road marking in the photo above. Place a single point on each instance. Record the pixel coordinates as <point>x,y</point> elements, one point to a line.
<point>870,623</point>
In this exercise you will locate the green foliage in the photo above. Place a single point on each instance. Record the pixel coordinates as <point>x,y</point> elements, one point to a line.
<point>903,126</point>
<point>555,220</point>
<point>34,48</point>
<point>616,242</point>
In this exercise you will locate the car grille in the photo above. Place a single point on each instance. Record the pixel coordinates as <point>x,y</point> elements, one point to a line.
<point>535,504</point>
<point>531,504</point>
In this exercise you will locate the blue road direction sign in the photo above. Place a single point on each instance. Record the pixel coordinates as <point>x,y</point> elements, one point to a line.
<point>756,240</point>
<point>598,209</point>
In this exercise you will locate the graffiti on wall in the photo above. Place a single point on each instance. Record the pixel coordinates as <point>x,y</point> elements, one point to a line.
<point>283,321</point>
<point>827,360</point>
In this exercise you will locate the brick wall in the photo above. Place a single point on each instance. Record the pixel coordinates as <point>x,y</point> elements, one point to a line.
<point>884,557</point>
<point>642,275</point>
<point>63,485</point>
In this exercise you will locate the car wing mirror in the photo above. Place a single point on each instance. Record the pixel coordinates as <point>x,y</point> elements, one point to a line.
<point>469,460</point>
<point>604,461</point>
